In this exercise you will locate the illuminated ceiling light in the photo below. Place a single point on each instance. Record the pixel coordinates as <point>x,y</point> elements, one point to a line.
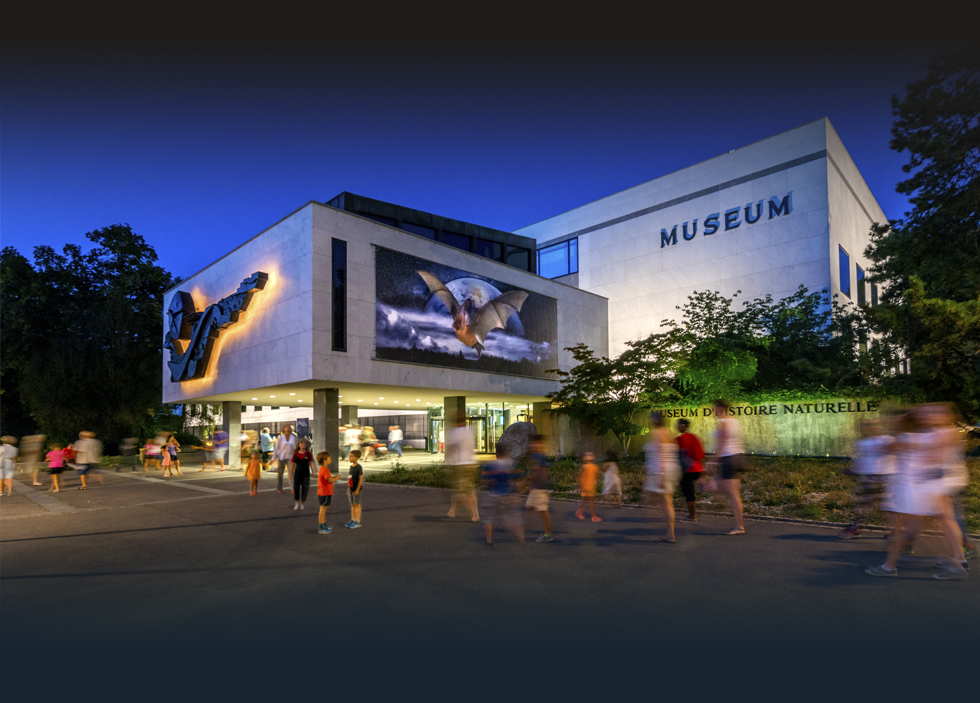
<point>375,403</point>
<point>340,396</point>
<point>381,397</point>
<point>292,394</point>
<point>358,400</point>
<point>396,402</point>
<point>418,400</point>
<point>254,398</point>
<point>272,396</point>
<point>300,400</point>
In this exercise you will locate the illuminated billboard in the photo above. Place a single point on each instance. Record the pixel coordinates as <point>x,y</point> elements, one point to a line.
<point>436,315</point>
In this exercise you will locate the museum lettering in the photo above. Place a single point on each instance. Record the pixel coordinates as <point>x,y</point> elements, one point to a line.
<point>830,408</point>
<point>730,219</point>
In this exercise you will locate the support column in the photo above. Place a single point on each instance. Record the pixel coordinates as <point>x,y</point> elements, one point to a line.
<point>454,411</point>
<point>544,423</point>
<point>326,425</point>
<point>231,422</point>
<point>348,414</point>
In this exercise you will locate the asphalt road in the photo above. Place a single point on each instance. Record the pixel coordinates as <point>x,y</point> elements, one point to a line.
<point>148,565</point>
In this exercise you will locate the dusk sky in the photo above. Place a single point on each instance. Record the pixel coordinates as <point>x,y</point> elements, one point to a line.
<point>200,150</point>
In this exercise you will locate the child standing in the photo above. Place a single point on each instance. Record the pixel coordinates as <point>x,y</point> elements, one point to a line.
<point>612,484</point>
<point>355,480</point>
<point>56,464</point>
<point>586,484</point>
<point>167,462</point>
<point>253,472</point>
<point>324,490</point>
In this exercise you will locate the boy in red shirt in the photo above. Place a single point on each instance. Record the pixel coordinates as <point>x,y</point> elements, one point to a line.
<point>324,489</point>
<point>691,455</point>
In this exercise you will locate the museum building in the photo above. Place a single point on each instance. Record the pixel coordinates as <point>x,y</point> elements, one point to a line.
<point>360,311</point>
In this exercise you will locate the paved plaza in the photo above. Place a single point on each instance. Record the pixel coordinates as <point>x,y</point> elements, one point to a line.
<point>141,563</point>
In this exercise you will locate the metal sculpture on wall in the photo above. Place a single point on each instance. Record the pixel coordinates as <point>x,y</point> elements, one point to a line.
<point>191,335</point>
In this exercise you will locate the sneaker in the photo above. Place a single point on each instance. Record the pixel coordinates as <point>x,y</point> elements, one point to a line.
<point>545,538</point>
<point>348,523</point>
<point>325,530</point>
<point>946,564</point>
<point>735,531</point>
<point>597,519</point>
<point>880,571</point>
<point>302,506</point>
<point>687,519</point>
<point>355,525</point>
<point>951,573</point>
<point>296,506</point>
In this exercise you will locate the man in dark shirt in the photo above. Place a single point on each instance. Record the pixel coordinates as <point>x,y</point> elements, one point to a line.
<point>537,499</point>
<point>355,480</point>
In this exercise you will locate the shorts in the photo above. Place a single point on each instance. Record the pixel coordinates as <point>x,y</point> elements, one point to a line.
<point>266,456</point>
<point>82,469</point>
<point>55,470</point>
<point>354,498</point>
<point>208,456</point>
<point>687,485</point>
<point>8,470</point>
<point>496,509</point>
<point>324,500</point>
<point>732,466</point>
<point>537,499</point>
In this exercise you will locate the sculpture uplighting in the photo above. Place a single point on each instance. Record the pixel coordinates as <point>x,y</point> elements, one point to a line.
<point>191,335</point>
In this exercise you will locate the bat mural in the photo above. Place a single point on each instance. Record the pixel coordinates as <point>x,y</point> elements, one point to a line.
<point>432,314</point>
<point>191,335</point>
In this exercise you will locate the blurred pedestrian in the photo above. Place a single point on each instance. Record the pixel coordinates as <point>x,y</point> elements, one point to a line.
<point>500,506</point>
<point>31,452</point>
<point>88,453</point>
<point>152,454</point>
<point>283,453</point>
<point>355,482</point>
<point>324,490</point>
<point>167,460</point>
<point>612,483</point>
<point>587,477</point>
<point>663,470</point>
<point>8,463</point>
<point>873,466</point>
<point>352,439</point>
<point>300,473</point>
<point>267,445</point>
<point>539,495</point>
<point>221,449</point>
<point>460,457</point>
<point>253,472</point>
<point>128,450</point>
<point>729,463</point>
<point>690,454</point>
<point>368,444</point>
<point>56,464</point>
<point>395,440</point>
<point>173,447</point>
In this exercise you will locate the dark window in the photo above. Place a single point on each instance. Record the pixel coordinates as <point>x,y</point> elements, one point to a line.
<point>339,295</point>
<point>460,241</point>
<point>862,296</point>
<point>519,257</point>
<point>257,408</point>
<point>874,294</point>
<point>379,218</point>
<point>274,407</point>
<point>845,272</point>
<point>426,232</point>
<point>244,409</point>
<point>559,259</point>
<point>491,250</point>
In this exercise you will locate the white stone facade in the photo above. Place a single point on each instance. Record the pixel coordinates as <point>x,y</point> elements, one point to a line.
<point>622,254</point>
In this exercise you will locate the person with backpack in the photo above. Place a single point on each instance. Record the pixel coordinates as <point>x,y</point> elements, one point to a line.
<point>690,454</point>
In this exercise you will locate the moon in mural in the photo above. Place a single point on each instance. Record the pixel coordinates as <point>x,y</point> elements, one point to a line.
<point>480,292</point>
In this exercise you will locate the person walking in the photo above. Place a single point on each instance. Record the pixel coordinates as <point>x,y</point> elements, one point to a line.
<point>500,506</point>
<point>300,473</point>
<point>173,447</point>
<point>267,445</point>
<point>663,470</point>
<point>151,454</point>
<point>283,452</point>
<point>56,464</point>
<point>395,440</point>
<point>729,463</point>
<point>587,477</point>
<point>8,464</point>
<point>221,449</point>
<point>369,441</point>
<point>690,453</point>
<point>612,483</point>
<point>31,454</point>
<point>873,465</point>
<point>539,495</point>
<point>460,457</point>
<point>88,452</point>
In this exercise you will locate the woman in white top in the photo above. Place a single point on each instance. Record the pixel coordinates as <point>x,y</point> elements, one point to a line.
<point>663,471</point>
<point>8,463</point>
<point>729,460</point>
<point>283,454</point>
<point>920,491</point>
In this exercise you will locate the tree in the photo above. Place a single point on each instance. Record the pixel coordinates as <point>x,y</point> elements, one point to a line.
<point>85,332</point>
<point>930,259</point>
<point>607,395</point>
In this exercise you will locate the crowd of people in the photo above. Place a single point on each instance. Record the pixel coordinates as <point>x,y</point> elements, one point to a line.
<point>911,466</point>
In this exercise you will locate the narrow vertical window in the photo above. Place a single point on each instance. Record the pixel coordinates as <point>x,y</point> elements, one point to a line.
<point>845,272</point>
<point>573,255</point>
<point>862,297</point>
<point>874,294</point>
<point>339,295</point>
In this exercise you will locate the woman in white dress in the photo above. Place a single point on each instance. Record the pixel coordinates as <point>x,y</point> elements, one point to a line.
<point>919,491</point>
<point>663,471</point>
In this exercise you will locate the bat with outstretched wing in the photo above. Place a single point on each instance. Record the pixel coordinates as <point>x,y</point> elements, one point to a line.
<point>472,326</point>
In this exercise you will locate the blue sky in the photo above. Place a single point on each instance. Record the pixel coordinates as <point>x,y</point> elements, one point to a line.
<point>199,150</point>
